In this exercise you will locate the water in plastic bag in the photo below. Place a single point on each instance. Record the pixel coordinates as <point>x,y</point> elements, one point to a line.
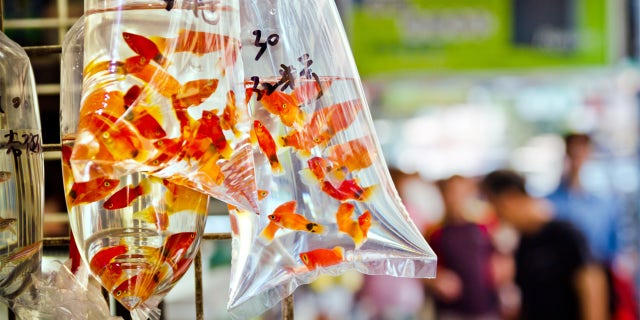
<point>161,96</point>
<point>326,201</point>
<point>21,172</point>
<point>137,234</point>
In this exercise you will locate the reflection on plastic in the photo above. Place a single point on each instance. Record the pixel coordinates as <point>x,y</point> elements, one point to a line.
<point>329,204</point>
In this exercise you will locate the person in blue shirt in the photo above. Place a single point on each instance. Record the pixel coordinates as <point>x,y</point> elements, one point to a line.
<point>595,215</point>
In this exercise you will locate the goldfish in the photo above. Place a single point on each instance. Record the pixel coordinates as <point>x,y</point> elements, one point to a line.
<point>347,190</point>
<point>357,229</point>
<point>229,119</point>
<point>167,149</point>
<point>177,244</point>
<point>132,95</point>
<point>125,196</point>
<point>309,91</point>
<point>7,224</point>
<point>118,139</point>
<point>196,42</point>
<point>262,194</point>
<point>141,286</point>
<point>147,125</point>
<point>133,64</point>
<point>320,169</point>
<point>105,256</point>
<point>144,47</point>
<point>5,176</point>
<point>352,155</point>
<point>267,145</point>
<point>210,171</point>
<point>158,79</point>
<point>22,254</point>
<point>320,258</point>
<point>150,214</point>
<point>102,101</point>
<point>179,198</point>
<point>194,93</point>
<point>284,216</point>
<point>283,105</point>
<point>301,141</point>
<point>328,121</point>
<point>92,190</point>
<point>210,127</point>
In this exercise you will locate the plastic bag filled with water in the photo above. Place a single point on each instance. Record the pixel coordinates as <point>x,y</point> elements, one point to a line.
<point>326,200</point>
<point>137,234</point>
<point>21,172</point>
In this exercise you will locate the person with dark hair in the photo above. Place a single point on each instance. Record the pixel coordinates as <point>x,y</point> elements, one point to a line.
<point>464,288</point>
<point>554,270</point>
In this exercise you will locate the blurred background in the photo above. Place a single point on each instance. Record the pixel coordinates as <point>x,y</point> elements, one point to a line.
<point>455,87</point>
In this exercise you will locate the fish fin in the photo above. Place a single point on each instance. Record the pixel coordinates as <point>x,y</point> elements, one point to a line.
<point>339,251</point>
<point>145,186</point>
<point>286,208</point>
<point>308,177</point>
<point>367,193</point>
<point>276,167</point>
<point>147,214</point>
<point>269,232</point>
<point>226,152</point>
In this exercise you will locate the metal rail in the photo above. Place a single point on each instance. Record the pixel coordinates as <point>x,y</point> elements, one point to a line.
<point>37,51</point>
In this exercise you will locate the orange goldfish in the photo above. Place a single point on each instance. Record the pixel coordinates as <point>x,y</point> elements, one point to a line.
<point>111,274</point>
<point>348,190</point>
<point>229,119</point>
<point>302,141</point>
<point>144,47</point>
<point>210,127</point>
<point>326,122</point>
<point>196,42</point>
<point>352,155</point>
<point>309,91</point>
<point>147,125</point>
<point>92,190</point>
<point>125,196</point>
<point>141,286</point>
<point>167,149</point>
<point>118,139</point>
<point>105,256</point>
<point>320,169</point>
<point>177,245</point>
<point>284,106</point>
<point>179,198</point>
<point>133,64</point>
<point>262,194</point>
<point>22,254</point>
<point>284,216</point>
<point>267,145</point>
<point>102,101</point>
<point>210,171</point>
<point>159,79</point>
<point>5,176</point>
<point>132,95</point>
<point>320,258</point>
<point>194,93</point>
<point>357,229</point>
<point>150,214</point>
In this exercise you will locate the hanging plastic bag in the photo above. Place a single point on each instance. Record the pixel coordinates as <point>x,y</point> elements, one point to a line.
<point>137,234</point>
<point>161,96</point>
<point>327,203</point>
<point>21,172</point>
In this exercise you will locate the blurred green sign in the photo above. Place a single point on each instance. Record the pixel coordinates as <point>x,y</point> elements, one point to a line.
<point>432,35</point>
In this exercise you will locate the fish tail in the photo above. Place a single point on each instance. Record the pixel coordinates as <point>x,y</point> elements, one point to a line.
<point>339,251</point>
<point>308,177</point>
<point>314,227</point>
<point>226,151</point>
<point>147,214</point>
<point>269,232</point>
<point>276,167</point>
<point>366,193</point>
